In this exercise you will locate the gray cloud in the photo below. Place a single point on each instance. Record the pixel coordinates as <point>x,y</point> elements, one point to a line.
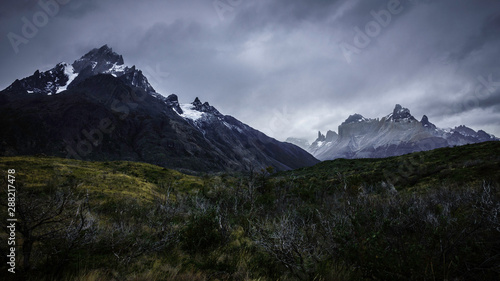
<point>278,65</point>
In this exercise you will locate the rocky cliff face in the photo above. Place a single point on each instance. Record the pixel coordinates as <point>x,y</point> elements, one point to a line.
<point>395,134</point>
<point>99,109</point>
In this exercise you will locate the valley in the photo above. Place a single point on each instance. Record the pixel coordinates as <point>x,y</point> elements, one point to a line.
<point>426,215</point>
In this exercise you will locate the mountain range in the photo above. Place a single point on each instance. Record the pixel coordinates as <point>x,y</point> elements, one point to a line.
<point>395,134</point>
<point>97,108</point>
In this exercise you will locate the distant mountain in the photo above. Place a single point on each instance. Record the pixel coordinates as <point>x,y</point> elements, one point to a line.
<point>302,143</point>
<point>395,134</point>
<point>99,109</point>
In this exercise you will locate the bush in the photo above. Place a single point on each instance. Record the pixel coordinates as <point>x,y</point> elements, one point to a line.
<point>201,233</point>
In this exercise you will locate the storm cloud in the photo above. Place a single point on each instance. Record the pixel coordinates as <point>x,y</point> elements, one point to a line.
<point>285,67</point>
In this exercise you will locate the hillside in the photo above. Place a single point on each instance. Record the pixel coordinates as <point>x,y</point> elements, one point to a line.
<point>468,164</point>
<point>423,216</point>
<point>115,180</point>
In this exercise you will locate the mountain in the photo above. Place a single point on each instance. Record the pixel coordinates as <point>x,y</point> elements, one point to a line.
<point>302,143</point>
<point>395,134</point>
<point>99,109</point>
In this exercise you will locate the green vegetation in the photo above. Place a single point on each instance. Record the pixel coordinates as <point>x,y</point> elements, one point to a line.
<point>424,216</point>
<point>468,164</point>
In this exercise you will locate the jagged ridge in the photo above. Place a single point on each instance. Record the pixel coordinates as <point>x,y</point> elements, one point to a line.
<point>99,109</point>
<point>395,134</point>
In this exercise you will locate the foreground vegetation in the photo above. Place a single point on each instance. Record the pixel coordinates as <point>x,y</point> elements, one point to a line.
<point>425,216</point>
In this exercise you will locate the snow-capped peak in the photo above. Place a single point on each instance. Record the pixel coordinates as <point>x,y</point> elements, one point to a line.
<point>104,61</point>
<point>64,76</point>
<point>99,60</point>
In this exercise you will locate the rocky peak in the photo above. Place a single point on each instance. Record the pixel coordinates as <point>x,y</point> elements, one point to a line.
<point>204,107</point>
<point>331,136</point>
<point>483,136</point>
<point>401,114</point>
<point>173,102</point>
<point>46,82</point>
<point>321,137</point>
<point>425,122</point>
<point>104,61</point>
<point>355,118</point>
<point>172,99</point>
<point>135,77</point>
<point>103,53</point>
<point>464,130</point>
<point>196,102</point>
<point>99,60</point>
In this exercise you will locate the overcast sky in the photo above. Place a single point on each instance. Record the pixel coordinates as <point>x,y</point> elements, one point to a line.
<point>285,67</point>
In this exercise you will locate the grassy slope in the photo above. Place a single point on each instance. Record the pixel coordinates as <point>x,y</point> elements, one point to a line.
<point>458,165</point>
<point>464,164</point>
<point>108,179</point>
<point>113,188</point>
<point>115,185</point>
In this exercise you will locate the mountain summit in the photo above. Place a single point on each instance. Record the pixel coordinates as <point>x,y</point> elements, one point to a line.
<point>97,108</point>
<point>64,76</point>
<point>100,59</point>
<point>395,134</point>
<point>401,114</point>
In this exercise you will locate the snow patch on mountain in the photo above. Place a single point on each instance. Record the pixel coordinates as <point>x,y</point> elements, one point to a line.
<point>189,112</point>
<point>116,70</point>
<point>69,71</point>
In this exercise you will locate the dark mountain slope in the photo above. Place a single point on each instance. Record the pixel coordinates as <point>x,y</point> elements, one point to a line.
<point>106,111</point>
